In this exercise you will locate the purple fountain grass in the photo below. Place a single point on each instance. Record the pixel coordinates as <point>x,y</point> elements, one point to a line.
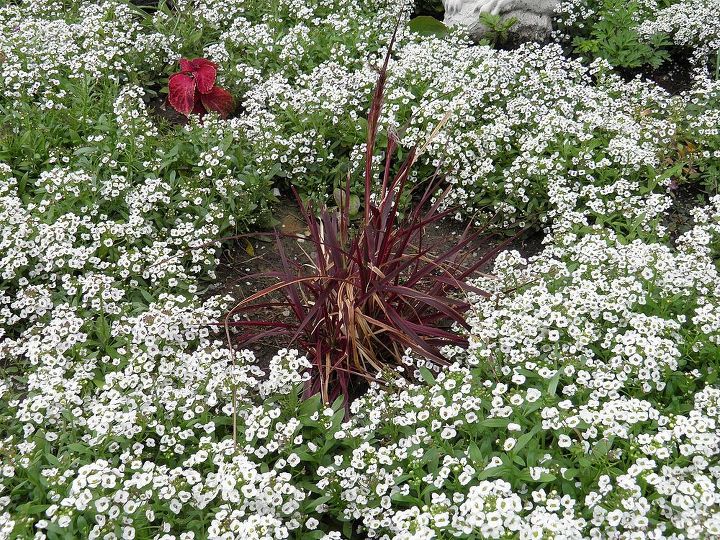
<point>368,293</point>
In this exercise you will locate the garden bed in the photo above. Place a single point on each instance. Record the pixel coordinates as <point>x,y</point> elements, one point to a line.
<point>581,395</point>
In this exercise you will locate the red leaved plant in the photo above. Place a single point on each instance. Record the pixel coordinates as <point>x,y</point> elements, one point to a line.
<point>193,90</point>
<point>367,294</point>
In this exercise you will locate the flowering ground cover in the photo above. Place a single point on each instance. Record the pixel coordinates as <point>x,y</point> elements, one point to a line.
<point>586,404</point>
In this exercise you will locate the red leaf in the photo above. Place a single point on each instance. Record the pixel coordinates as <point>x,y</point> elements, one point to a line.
<point>186,65</point>
<point>204,72</point>
<point>218,100</point>
<point>199,108</point>
<point>181,93</point>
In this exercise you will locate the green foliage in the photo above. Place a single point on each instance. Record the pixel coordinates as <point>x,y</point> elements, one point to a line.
<point>613,38</point>
<point>498,27</point>
<point>428,26</point>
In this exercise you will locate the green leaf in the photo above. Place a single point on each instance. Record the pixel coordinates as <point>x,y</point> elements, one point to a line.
<point>544,477</point>
<point>34,475</point>
<point>312,504</point>
<point>601,448</point>
<point>409,499</point>
<point>552,388</point>
<point>81,523</point>
<point>227,141</point>
<point>78,448</point>
<point>31,508</point>
<point>431,459</point>
<point>52,460</point>
<point>427,376</point>
<point>474,453</point>
<point>222,420</point>
<point>147,296</point>
<point>85,150</point>
<point>309,406</point>
<point>495,422</point>
<point>526,438</point>
<point>492,472</point>
<point>337,419</point>
<point>428,26</point>
<point>337,405</point>
<point>103,329</point>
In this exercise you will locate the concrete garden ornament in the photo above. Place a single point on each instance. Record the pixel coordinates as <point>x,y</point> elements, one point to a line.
<point>534,17</point>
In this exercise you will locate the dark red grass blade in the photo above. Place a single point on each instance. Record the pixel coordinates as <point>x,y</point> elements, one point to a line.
<point>373,119</point>
<point>410,336</point>
<point>236,324</point>
<point>461,285</point>
<point>265,292</point>
<point>389,153</point>
<point>439,303</point>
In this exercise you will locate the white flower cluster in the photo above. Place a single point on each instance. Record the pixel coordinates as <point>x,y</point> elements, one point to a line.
<point>591,375</point>
<point>527,132</point>
<point>132,118</point>
<point>45,46</point>
<point>691,23</point>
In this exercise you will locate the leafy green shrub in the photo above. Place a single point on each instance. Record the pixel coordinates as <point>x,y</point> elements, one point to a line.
<point>498,27</point>
<point>614,37</point>
<point>609,29</point>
